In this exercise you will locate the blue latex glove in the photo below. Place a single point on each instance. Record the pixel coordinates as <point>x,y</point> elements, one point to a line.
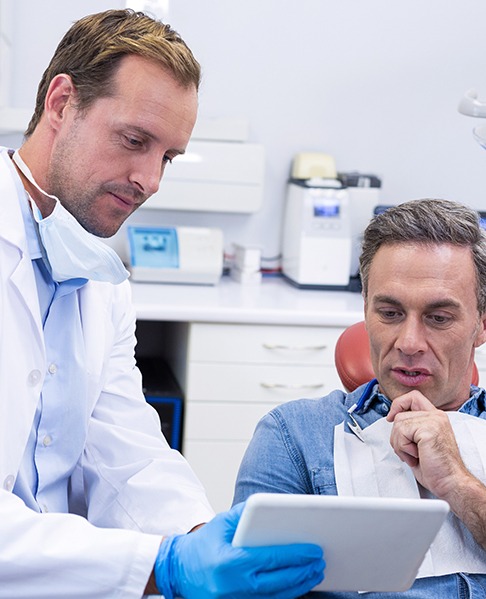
<point>204,564</point>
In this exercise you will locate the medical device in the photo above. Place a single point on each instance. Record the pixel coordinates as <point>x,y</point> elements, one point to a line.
<point>175,254</point>
<point>316,250</point>
<point>325,216</point>
<point>213,176</point>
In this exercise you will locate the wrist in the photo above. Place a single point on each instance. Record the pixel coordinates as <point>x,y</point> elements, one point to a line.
<point>151,586</point>
<point>163,570</point>
<point>467,490</point>
<point>452,488</point>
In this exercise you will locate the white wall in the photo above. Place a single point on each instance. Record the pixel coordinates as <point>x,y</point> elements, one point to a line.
<point>374,82</point>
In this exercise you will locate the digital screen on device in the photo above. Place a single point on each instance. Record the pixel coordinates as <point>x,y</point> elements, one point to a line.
<point>326,208</point>
<point>482,219</point>
<point>380,209</point>
<point>154,247</point>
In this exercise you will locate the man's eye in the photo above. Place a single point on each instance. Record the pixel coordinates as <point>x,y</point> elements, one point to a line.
<point>167,159</point>
<point>439,319</point>
<point>389,314</point>
<point>133,142</point>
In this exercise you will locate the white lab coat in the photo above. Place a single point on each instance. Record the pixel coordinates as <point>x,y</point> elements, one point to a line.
<point>128,477</point>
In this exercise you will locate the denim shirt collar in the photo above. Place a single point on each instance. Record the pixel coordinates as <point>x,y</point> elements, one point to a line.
<point>476,404</point>
<point>378,402</point>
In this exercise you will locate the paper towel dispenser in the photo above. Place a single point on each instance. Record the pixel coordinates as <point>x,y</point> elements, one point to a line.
<point>214,176</point>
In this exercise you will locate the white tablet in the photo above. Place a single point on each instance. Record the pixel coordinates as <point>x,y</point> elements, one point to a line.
<point>370,543</point>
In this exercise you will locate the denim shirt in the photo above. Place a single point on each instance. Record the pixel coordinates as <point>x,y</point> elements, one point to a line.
<point>292,451</point>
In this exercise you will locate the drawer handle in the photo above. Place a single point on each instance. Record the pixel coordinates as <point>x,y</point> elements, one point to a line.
<point>286,386</point>
<point>294,347</point>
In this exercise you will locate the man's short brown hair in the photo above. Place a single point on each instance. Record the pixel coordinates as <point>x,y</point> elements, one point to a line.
<point>90,53</point>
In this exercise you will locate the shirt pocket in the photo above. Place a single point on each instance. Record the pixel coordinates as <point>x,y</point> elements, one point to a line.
<point>324,481</point>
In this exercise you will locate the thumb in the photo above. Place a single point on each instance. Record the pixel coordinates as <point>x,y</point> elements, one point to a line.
<point>228,521</point>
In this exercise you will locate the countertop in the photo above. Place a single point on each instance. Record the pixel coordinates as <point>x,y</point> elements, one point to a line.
<point>273,301</point>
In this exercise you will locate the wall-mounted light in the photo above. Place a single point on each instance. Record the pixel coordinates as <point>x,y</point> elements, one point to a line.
<point>471,105</point>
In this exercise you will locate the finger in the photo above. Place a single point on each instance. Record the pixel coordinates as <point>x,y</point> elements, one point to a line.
<point>408,458</point>
<point>411,420</point>
<point>276,557</point>
<point>290,582</point>
<point>227,521</point>
<point>404,444</point>
<point>402,438</point>
<point>421,424</point>
<point>410,402</point>
<point>405,448</point>
<point>235,512</point>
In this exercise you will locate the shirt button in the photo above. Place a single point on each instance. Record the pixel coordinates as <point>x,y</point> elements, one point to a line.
<point>34,378</point>
<point>47,440</point>
<point>52,368</point>
<point>8,483</point>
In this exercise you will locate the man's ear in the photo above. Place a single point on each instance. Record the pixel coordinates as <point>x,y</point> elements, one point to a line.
<point>60,94</point>
<point>481,334</point>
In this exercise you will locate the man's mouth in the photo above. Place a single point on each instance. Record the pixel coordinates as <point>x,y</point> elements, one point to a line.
<point>126,196</point>
<point>409,377</point>
<point>123,200</point>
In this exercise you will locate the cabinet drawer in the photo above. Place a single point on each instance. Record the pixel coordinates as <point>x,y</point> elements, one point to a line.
<point>262,343</point>
<point>206,420</point>
<point>250,383</point>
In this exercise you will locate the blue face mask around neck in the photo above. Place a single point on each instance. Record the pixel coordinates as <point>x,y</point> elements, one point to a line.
<point>72,252</point>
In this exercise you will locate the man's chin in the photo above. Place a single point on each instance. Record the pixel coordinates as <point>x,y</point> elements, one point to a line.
<point>392,390</point>
<point>104,230</point>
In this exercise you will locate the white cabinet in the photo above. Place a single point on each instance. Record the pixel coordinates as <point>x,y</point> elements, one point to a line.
<point>235,374</point>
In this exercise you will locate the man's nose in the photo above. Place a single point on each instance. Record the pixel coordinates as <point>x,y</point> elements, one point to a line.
<point>411,338</point>
<point>147,174</point>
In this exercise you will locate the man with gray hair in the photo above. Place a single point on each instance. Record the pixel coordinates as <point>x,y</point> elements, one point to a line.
<point>423,269</point>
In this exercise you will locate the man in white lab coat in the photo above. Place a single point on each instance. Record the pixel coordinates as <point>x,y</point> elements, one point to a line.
<point>93,502</point>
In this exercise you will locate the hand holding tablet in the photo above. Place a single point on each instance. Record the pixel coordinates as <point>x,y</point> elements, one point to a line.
<point>370,543</point>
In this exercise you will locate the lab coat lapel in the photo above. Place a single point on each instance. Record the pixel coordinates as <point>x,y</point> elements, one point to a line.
<point>22,353</point>
<point>12,232</point>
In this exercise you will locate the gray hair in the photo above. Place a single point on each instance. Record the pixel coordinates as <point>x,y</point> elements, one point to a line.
<point>428,221</point>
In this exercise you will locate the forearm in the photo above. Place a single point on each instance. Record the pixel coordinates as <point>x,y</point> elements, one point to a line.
<point>467,499</point>
<point>423,437</point>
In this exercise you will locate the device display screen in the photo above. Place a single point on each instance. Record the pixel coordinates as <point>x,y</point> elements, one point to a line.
<point>154,247</point>
<point>482,219</point>
<point>326,208</point>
